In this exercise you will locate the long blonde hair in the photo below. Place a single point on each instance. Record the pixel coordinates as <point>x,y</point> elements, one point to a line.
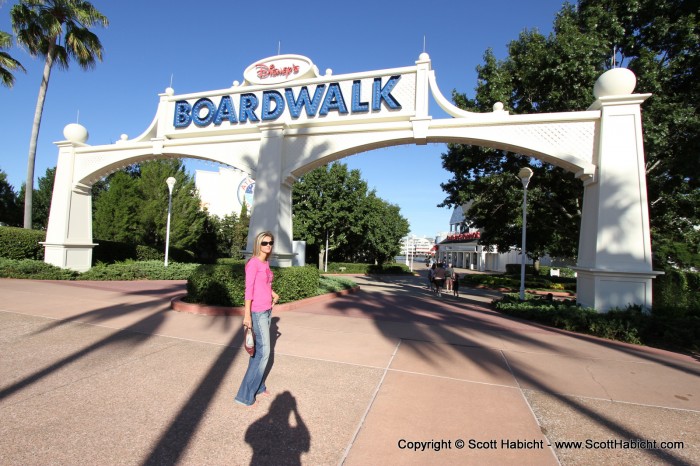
<point>258,240</point>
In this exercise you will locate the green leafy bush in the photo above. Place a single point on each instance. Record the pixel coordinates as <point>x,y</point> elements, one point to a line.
<point>34,269</point>
<point>20,243</point>
<point>217,285</point>
<point>677,289</point>
<point>224,284</point>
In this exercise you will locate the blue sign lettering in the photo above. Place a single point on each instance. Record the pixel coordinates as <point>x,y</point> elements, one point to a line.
<point>226,111</point>
<point>325,99</point>
<point>333,100</point>
<point>198,107</point>
<point>384,93</point>
<point>303,101</point>
<point>279,105</point>
<point>357,106</point>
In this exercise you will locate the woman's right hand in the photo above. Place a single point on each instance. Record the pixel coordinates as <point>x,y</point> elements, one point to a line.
<point>248,321</point>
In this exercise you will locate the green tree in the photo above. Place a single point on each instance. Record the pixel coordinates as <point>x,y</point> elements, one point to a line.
<point>325,207</point>
<point>383,227</point>
<point>187,219</point>
<point>333,202</point>
<point>9,208</point>
<point>659,42</point>
<point>7,63</point>
<point>42,199</point>
<point>231,233</point>
<point>58,30</point>
<point>116,210</point>
<point>134,208</point>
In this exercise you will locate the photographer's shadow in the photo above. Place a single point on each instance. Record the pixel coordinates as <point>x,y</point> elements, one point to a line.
<point>279,437</point>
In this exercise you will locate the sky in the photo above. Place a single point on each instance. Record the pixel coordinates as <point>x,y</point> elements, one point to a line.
<point>206,45</point>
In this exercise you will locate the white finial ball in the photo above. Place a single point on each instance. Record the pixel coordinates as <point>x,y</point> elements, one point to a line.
<point>498,107</point>
<point>124,137</point>
<point>424,56</point>
<point>329,71</point>
<point>74,132</point>
<point>617,81</point>
<point>236,84</point>
<point>169,91</point>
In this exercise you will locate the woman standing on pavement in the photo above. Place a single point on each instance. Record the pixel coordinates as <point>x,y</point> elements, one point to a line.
<point>259,299</point>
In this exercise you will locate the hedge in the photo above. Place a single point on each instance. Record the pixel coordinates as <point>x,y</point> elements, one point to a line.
<point>544,270</point>
<point>370,269</point>
<point>109,252</point>
<point>20,243</point>
<point>142,270</point>
<point>224,284</point>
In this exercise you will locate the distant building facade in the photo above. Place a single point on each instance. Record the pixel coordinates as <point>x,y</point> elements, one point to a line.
<point>460,247</point>
<point>416,245</point>
<point>225,191</point>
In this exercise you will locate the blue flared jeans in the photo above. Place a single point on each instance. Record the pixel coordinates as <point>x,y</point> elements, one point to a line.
<point>253,383</point>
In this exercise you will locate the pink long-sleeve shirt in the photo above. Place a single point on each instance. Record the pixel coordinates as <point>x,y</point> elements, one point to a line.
<point>258,284</point>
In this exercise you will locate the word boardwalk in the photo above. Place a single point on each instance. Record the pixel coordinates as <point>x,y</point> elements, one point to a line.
<point>325,99</point>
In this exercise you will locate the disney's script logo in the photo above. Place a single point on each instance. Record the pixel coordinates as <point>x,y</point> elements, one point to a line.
<point>271,71</point>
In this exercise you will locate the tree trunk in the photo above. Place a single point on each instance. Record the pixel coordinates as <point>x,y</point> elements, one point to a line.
<point>29,187</point>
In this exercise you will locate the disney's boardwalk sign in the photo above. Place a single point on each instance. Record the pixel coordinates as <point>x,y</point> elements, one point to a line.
<point>294,99</point>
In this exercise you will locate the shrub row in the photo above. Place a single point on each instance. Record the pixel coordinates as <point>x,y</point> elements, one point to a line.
<point>370,269</point>
<point>224,284</point>
<point>674,328</point>
<point>147,270</point>
<point>143,270</point>
<point>544,270</point>
<point>34,269</point>
<point>505,281</point>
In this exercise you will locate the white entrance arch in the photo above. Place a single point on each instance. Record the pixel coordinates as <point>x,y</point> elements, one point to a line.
<point>286,119</point>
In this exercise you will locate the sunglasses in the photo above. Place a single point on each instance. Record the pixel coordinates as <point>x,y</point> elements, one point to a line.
<point>266,243</point>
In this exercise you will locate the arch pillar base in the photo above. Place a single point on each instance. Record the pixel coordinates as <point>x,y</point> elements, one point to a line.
<point>608,289</point>
<point>76,257</point>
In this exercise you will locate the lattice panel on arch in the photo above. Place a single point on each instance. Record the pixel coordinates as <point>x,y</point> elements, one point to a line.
<point>572,138</point>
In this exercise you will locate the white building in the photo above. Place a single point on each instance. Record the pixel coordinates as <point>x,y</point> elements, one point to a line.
<point>416,245</point>
<point>461,248</point>
<point>224,192</point>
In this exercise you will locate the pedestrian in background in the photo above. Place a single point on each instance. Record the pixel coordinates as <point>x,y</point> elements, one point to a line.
<point>439,278</point>
<point>455,284</point>
<point>259,299</point>
<point>448,277</point>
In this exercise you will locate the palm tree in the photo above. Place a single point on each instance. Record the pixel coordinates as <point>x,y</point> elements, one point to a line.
<point>58,30</point>
<point>7,63</point>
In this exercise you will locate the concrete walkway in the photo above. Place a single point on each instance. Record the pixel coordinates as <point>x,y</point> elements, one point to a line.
<point>106,373</point>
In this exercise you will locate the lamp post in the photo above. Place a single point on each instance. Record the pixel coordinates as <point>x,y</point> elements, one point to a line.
<point>171,183</point>
<point>524,174</point>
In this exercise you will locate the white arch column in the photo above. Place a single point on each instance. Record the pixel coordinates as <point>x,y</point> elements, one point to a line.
<point>614,261</point>
<point>272,200</point>
<point>69,233</point>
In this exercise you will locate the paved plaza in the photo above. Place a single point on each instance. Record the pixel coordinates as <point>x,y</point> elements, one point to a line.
<point>102,373</point>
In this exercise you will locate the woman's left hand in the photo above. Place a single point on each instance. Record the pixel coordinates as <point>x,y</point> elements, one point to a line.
<point>275,298</point>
